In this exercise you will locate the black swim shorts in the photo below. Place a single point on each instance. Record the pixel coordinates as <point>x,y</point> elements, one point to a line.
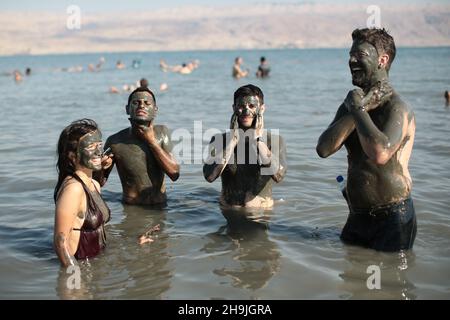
<point>388,228</point>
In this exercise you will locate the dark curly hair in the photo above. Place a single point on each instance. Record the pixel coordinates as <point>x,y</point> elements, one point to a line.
<point>141,89</point>
<point>249,90</point>
<point>68,142</point>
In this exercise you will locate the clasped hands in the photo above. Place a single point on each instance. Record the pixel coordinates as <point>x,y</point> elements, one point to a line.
<point>357,100</point>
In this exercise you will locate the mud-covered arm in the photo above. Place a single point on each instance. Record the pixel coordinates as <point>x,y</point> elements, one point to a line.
<point>163,154</point>
<point>218,158</point>
<point>278,163</point>
<point>107,165</point>
<point>332,139</point>
<point>161,149</point>
<point>67,208</point>
<point>380,145</point>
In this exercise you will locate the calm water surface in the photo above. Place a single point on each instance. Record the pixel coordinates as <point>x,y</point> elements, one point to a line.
<point>292,252</point>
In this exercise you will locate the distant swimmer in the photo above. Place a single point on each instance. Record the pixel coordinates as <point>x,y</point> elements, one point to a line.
<point>128,87</point>
<point>447,98</point>
<point>143,83</point>
<point>263,68</point>
<point>136,64</point>
<point>237,70</point>
<point>100,63</point>
<point>17,76</point>
<point>74,69</point>
<point>142,153</point>
<point>163,65</point>
<point>163,87</point>
<point>114,90</point>
<point>184,68</point>
<point>247,158</point>
<point>377,128</point>
<point>28,71</point>
<point>120,65</point>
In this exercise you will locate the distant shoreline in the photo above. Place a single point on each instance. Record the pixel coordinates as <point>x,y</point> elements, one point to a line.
<point>232,27</point>
<point>201,50</point>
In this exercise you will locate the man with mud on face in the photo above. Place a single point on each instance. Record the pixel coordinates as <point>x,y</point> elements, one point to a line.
<point>377,128</point>
<point>248,158</point>
<point>142,153</point>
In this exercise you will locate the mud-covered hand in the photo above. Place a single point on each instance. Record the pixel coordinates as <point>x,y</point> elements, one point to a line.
<point>259,124</point>
<point>146,133</point>
<point>377,96</point>
<point>107,161</point>
<point>354,100</point>
<point>234,126</point>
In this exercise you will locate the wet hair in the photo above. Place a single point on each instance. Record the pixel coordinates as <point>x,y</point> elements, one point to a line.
<point>249,90</point>
<point>263,59</point>
<point>143,82</point>
<point>141,89</point>
<point>68,142</point>
<point>380,39</point>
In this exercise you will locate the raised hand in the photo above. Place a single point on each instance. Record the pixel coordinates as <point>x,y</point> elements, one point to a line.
<point>146,133</point>
<point>377,96</point>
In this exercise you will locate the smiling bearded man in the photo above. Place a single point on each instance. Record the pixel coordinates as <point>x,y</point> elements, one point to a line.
<point>377,128</point>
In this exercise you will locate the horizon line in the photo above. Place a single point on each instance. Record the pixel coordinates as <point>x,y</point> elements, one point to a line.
<point>200,50</point>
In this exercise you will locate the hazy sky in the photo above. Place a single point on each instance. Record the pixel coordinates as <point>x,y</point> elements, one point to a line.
<point>130,5</point>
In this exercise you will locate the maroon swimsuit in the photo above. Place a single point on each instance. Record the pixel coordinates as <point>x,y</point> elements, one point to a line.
<point>92,232</point>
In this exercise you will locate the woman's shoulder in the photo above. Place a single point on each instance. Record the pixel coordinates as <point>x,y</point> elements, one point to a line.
<point>72,185</point>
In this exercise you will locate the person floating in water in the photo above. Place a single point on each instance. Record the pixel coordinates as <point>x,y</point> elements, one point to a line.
<point>120,65</point>
<point>80,212</point>
<point>377,128</point>
<point>237,70</point>
<point>263,68</point>
<point>247,159</point>
<point>142,153</point>
<point>17,76</point>
<point>136,64</point>
<point>100,63</point>
<point>184,68</point>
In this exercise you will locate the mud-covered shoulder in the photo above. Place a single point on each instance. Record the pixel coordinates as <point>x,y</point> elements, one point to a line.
<point>397,104</point>
<point>118,137</point>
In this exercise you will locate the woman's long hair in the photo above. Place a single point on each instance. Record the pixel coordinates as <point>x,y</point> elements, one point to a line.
<point>68,142</point>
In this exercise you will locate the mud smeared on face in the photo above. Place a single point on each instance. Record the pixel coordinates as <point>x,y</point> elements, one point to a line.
<point>90,150</point>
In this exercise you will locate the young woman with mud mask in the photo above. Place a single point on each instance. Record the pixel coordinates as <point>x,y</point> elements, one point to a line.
<point>80,212</point>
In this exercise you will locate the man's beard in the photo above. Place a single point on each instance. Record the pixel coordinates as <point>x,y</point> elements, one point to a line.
<point>361,78</point>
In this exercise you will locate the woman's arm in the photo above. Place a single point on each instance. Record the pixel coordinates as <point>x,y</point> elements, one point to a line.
<point>68,206</point>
